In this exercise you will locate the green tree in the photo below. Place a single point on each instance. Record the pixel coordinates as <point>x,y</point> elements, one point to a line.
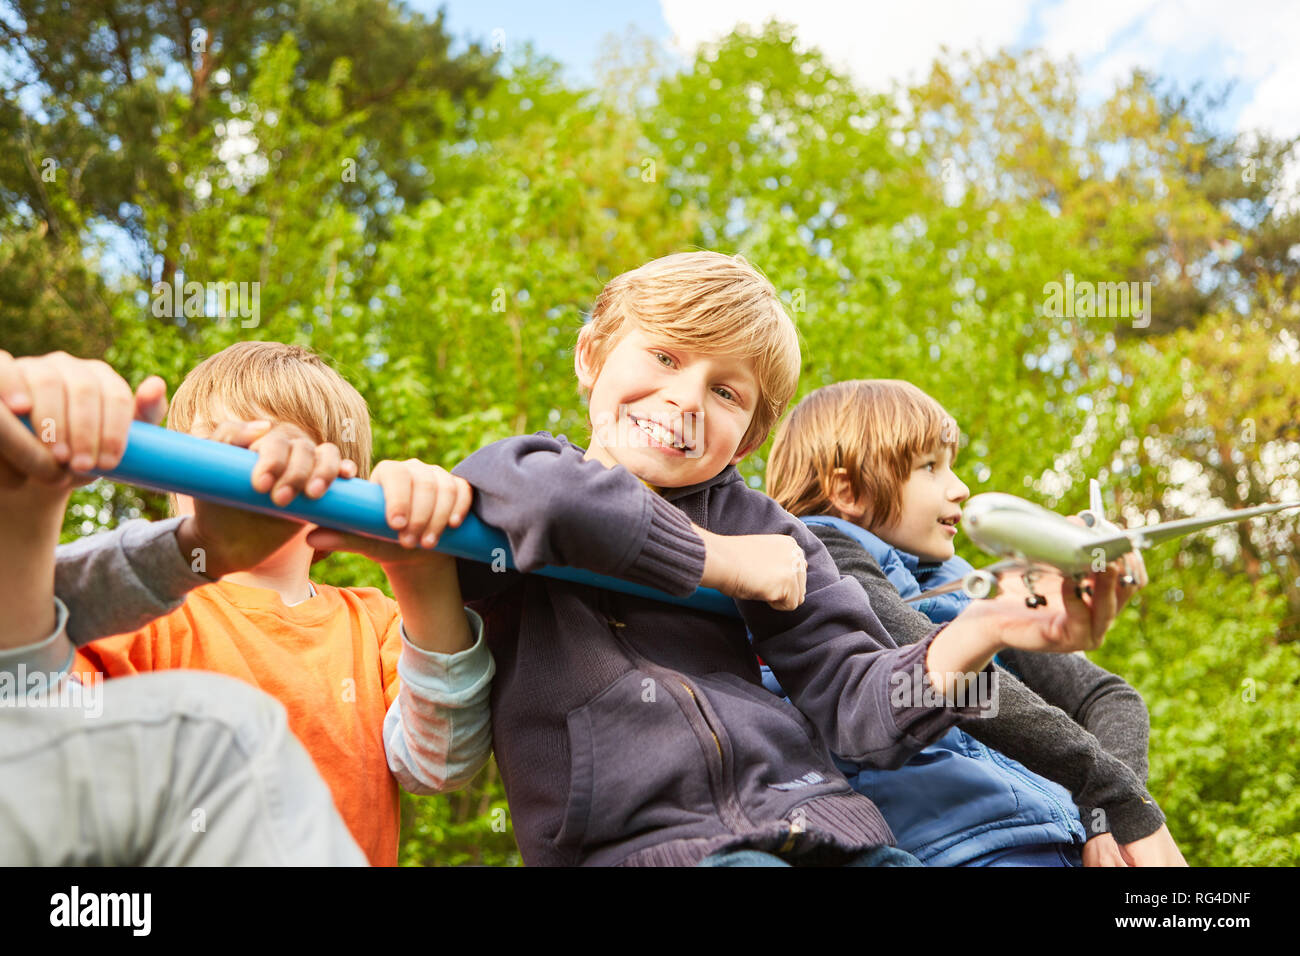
<point>125,113</point>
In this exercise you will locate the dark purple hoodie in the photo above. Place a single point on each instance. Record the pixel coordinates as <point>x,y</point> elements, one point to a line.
<point>634,732</point>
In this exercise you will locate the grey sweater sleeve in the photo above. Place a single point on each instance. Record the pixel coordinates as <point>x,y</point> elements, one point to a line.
<point>1031,730</point>
<point>1104,703</point>
<point>51,655</point>
<point>120,580</point>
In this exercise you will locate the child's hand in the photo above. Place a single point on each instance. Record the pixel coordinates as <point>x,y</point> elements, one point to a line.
<point>756,567</point>
<point>1134,566</point>
<point>1158,849</point>
<point>420,502</point>
<point>1070,621</point>
<point>81,411</point>
<point>288,463</point>
<point>1102,850</point>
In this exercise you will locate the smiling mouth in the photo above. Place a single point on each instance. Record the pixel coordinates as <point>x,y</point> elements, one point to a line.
<point>661,434</point>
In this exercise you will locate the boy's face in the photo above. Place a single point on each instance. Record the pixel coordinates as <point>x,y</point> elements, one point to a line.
<point>932,497</point>
<point>671,417</point>
<point>184,504</point>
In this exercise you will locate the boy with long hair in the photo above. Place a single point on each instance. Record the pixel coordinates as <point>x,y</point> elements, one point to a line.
<point>868,466</point>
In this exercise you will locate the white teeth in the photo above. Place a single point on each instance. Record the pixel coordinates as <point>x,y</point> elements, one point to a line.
<point>659,433</point>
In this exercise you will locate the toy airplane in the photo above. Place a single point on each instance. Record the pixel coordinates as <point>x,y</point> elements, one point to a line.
<point>1032,540</point>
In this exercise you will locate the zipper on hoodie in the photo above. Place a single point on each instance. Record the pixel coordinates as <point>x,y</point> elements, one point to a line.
<point>730,812</point>
<point>716,742</point>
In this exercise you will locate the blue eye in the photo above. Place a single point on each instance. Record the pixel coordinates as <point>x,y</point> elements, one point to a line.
<point>726,393</point>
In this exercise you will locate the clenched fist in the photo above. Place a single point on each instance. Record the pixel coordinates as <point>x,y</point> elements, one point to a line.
<point>756,567</point>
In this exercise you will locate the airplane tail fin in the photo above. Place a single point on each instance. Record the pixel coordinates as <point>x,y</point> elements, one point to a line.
<point>1095,504</point>
<point>1095,516</point>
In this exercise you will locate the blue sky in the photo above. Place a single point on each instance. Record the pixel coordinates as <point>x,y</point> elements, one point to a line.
<point>570,32</point>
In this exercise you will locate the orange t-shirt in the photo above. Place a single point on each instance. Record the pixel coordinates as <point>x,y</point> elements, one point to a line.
<point>331,660</point>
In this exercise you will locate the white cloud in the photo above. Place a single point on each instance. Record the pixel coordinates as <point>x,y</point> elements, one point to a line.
<point>1085,30</point>
<point>1275,107</point>
<point>880,43</point>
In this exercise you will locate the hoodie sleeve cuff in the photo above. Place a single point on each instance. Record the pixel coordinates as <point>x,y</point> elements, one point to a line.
<point>923,714</point>
<point>1131,820</point>
<point>672,557</point>
<point>452,677</point>
<point>53,655</point>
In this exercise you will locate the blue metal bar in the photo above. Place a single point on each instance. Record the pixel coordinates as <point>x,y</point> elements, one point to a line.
<point>168,461</point>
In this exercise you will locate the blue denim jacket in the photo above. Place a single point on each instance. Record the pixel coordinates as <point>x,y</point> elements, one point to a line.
<point>957,799</point>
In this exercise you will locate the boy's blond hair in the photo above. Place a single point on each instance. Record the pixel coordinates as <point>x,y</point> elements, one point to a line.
<point>282,383</point>
<point>873,429</point>
<point>706,302</point>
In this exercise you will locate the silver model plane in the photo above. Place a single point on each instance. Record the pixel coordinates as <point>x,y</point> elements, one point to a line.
<point>1033,540</point>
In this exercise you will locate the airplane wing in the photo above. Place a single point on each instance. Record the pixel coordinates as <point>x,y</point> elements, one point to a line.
<point>1115,542</point>
<point>1010,564</point>
<point>1156,533</point>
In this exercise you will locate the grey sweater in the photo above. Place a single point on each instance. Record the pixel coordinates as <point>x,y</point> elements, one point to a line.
<point>1068,719</point>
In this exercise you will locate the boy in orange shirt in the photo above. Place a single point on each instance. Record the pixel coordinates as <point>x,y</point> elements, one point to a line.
<point>380,692</point>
